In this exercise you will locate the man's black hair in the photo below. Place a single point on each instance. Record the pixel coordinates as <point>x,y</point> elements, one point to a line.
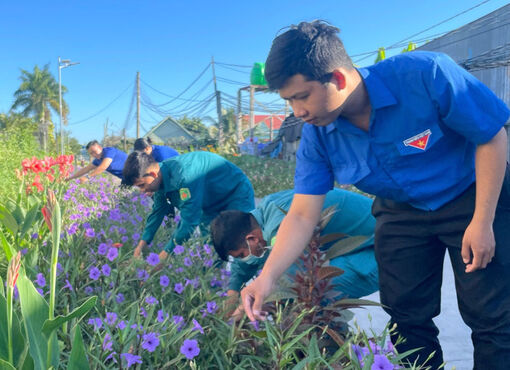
<point>135,167</point>
<point>229,230</point>
<point>312,49</point>
<point>93,142</point>
<point>142,143</point>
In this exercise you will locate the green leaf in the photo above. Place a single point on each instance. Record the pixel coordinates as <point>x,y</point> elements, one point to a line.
<point>17,212</point>
<point>328,238</point>
<point>29,220</point>
<point>345,246</point>
<point>50,325</point>
<point>8,220</point>
<point>2,292</point>
<point>78,359</point>
<point>7,247</point>
<point>4,365</point>
<point>35,312</point>
<point>18,341</point>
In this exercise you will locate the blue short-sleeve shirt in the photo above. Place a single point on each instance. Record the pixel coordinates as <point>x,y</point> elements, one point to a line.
<point>118,158</point>
<point>428,116</point>
<point>161,152</point>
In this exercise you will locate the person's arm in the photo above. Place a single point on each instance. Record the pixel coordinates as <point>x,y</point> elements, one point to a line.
<point>81,172</point>
<point>293,235</point>
<point>105,163</point>
<point>490,165</point>
<point>160,208</point>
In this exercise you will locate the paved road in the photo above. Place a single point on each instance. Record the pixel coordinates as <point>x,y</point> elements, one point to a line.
<point>455,336</point>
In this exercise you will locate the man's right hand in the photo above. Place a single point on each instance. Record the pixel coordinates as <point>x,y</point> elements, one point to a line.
<point>254,295</point>
<point>138,250</point>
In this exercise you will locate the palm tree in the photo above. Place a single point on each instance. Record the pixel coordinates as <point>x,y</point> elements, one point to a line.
<point>37,95</point>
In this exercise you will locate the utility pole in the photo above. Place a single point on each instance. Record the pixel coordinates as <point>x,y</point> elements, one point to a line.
<point>239,119</point>
<point>105,134</point>
<point>137,105</point>
<point>252,111</point>
<point>124,136</point>
<point>218,105</point>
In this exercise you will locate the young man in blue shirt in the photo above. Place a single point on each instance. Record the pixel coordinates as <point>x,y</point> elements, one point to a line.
<point>107,159</point>
<point>248,237</point>
<point>158,152</point>
<point>416,130</point>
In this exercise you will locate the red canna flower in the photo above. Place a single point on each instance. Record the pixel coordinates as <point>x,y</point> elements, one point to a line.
<point>13,270</point>
<point>47,216</point>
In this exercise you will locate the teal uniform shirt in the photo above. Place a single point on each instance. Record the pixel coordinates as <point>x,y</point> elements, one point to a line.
<point>353,217</point>
<point>200,185</point>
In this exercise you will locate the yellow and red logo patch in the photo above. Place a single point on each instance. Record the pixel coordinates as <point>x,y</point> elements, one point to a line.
<point>419,141</point>
<point>184,194</point>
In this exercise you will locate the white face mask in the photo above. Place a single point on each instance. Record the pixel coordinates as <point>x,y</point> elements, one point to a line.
<point>252,259</point>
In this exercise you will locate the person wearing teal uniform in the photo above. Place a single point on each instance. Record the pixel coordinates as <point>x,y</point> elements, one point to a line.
<point>248,237</point>
<point>199,184</point>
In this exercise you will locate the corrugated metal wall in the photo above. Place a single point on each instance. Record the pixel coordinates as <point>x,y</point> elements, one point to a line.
<point>476,38</point>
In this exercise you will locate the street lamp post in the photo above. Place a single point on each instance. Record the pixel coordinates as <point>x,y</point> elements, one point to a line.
<point>62,63</point>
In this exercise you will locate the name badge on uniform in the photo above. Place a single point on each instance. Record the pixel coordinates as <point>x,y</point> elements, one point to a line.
<point>184,194</point>
<point>419,141</point>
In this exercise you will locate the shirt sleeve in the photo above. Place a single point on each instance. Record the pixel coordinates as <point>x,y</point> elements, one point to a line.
<point>465,104</point>
<point>191,214</point>
<point>313,172</point>
<point>239,275</point>
<point>109,153</point>
<point>160,209</point>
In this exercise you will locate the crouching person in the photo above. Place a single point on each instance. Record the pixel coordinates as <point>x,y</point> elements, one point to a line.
<point>248,238</point>
<point>199,184</point>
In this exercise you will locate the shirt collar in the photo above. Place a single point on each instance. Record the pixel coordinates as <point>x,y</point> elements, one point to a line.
<point>379,94</point>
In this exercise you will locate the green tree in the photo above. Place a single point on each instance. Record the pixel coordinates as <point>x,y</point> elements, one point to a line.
<point>37,96</point>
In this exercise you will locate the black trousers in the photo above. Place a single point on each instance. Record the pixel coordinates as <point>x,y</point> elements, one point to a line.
<point>410,245</point>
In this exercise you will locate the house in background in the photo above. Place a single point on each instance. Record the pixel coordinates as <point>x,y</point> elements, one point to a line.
<point>169,131</point>
<point>483,48</point>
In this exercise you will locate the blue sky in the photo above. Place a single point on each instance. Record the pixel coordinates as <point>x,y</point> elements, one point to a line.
<point>171,42</point>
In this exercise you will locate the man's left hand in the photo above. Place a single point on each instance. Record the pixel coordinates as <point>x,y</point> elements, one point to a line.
<point>478,245</point>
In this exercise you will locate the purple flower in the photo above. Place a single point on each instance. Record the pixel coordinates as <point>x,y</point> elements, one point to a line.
<point>150,341</point>
<point>90,233</point>
<point>178,249</point>
<point>207,249</point>
<point>131,359</point>
<point>150,300</point>
<point>96,322</point>
<point>381,362</point>
<point>102,249</point>
<point>136,236</point>
<point>106,270</point>
<point>255,324</point>
<point>179,270</point>
<point>34,236</point>
<point>88,290</point>
<point>40,291</point>
<point>162,316</point>
<point>94,273</point>
<point>143,312</point>
<point>111,318</point>
<point>68,285</point>
<point>190,348</point>
<point>178,322</point>
<point>197,326</point>
<point>153,259</point>
<point>212,307</point>
<point>187,262</point>
<point>121,324</point>
<point>119,298</point>
<point>142,274</point>
<point>124,239</point>
<point>112,254</point>
<point>208,263</point>
<point>41,281</point>
<point>107,343</point>
<point>164,281</point>
<point>178,288</point>
<point>177,218</point>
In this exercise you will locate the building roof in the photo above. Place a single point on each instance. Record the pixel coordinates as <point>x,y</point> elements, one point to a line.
<point>266,119</point>
<point>167,129</point>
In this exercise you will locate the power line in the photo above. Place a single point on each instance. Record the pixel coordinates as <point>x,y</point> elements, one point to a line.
<point>103,109</point>
<point>431,27</point>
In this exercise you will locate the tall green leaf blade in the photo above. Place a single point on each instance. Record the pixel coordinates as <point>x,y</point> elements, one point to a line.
<point>50,325</point>
<point>8,220</point>
<point>29,220</point>
<point>78,359</point>
<point>35,312</point>
<point>18,341</point>
<point>6,246</point>
<point>4,365</point>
